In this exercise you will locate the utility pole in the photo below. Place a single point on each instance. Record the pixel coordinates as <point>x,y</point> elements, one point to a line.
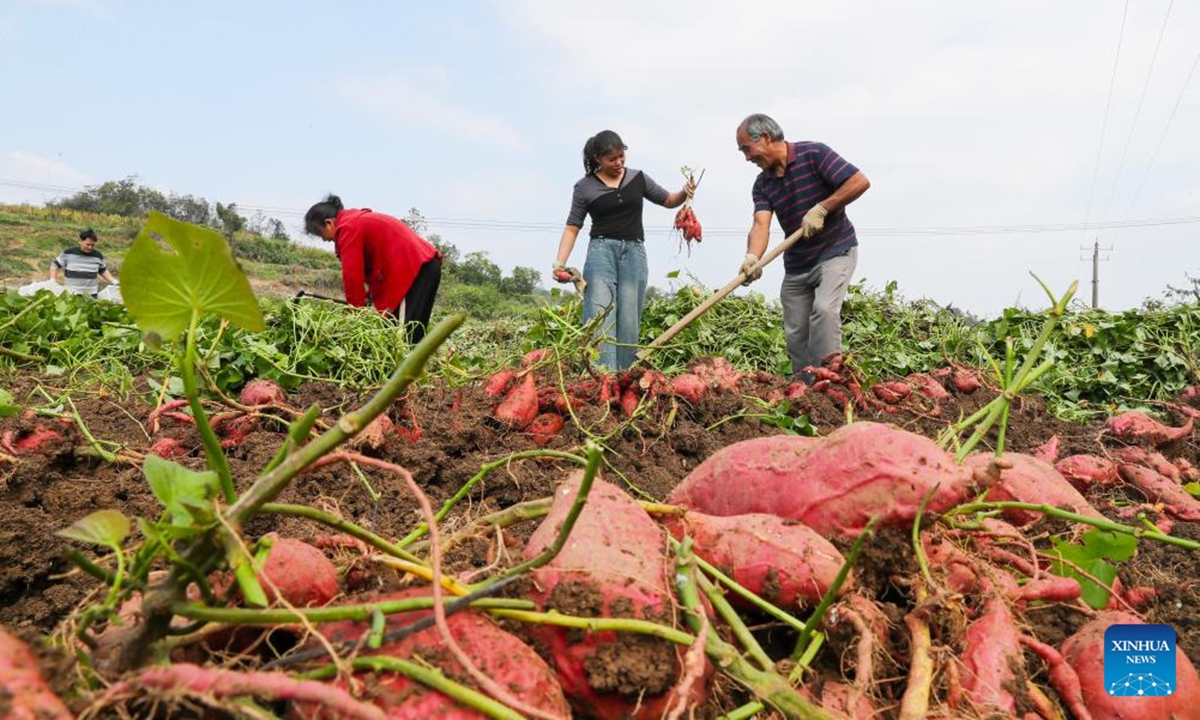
<point>1096,271</point>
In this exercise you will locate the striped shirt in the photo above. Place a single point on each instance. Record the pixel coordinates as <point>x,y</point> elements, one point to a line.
<point>814,172</point>
<point>81,270</point>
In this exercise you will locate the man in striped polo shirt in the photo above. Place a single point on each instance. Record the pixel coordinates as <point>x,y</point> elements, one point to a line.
<point>807,185</point>
<point>82,266</point>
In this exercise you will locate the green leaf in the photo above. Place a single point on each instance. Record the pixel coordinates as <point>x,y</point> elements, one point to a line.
<point>163,290</point>
<point>186,494</point>
<point>673,274</point>
<point>7,407</point>
<point>1110,545</point>
<point>103,527</point>
<point>1193,488</point>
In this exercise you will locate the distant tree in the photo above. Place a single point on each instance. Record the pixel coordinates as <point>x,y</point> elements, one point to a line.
<point>523,281</point>
<point>190,209</point>
<point>277,230</point>
<point>416,221</point>
<point>477,269</point>
<point>231,221</point>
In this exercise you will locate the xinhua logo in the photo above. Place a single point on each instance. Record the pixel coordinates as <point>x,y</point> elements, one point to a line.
<point>1139,660</point>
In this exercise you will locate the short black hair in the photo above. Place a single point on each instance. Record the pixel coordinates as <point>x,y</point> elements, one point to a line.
<point>316,216</point>
<point>88,234</point>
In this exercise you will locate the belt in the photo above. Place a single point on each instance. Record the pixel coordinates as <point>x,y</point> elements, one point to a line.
<point>632,240</point>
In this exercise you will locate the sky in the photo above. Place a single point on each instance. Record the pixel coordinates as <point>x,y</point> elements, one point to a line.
<point>1001,139</point>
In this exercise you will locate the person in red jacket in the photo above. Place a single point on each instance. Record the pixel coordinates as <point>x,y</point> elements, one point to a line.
<point>383,261</point>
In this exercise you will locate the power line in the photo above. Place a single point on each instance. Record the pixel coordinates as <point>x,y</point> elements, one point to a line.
<point>506,225</point>
<point>1138,112</point>
<point>1137,193</point>
<point>1112,81</point>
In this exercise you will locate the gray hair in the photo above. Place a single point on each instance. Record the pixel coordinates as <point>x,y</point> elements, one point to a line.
<point>758,125</point>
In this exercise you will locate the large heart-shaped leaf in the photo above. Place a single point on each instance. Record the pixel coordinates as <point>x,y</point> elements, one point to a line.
<point>163,289</point>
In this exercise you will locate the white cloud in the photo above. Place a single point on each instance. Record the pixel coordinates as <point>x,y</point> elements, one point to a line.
<point>409,104</point>
<point>29,178</point>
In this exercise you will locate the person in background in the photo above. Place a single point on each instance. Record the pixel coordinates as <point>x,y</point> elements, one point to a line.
<point>615,269</point>
<point>82,266</point>
<point>807,185</point>
<point>384,262</point>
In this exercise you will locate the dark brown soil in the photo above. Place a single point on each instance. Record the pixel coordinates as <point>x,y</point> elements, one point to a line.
<point>42,492</point>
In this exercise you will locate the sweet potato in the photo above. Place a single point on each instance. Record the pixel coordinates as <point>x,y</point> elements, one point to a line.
<point>375,435</point>
<point>1084,652</point>
<point>612,565</point>
<point>688,386</point>
<point>892,392</point>
<point>834,485</point>
<point>1023,478</point>
<point>300,573</point>
<point>544,427</point>
<point>926,385</point>
<point>1047,452</point>
<point>42,440</point>
<point>533,357</point>
<point>498,383</point>
<point>1083,471</point>
<point>261,391</point>
<point>965,381</point>
<point>1156,487</point>
<point>1139,428</point>
<point>990,655</point>
<point>168,447</point>
<point>520,406</point>
<point>784,562</point>
<point>24,693</point>
<point>717,373</point>
<point>495,652</point>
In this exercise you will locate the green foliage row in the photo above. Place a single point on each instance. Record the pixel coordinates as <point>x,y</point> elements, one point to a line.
<point>1104,361</point>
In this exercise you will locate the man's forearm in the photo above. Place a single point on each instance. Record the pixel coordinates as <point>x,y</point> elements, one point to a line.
<point>847,192</point>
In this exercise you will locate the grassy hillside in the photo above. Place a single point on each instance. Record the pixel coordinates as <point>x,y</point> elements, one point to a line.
<point>33,236</point>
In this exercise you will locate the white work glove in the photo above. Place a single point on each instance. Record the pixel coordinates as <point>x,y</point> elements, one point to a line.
<point>813,222</point>
<point>747,265</point>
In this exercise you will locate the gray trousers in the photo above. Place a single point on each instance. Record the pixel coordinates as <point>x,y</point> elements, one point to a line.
<point>812,310</point>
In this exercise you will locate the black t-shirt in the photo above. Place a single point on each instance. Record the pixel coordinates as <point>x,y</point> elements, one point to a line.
<point>615,212</point>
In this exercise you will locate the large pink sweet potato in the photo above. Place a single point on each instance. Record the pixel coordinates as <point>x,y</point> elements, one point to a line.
<point>612,565</point>
<point>496,653</point>
<point>24,694</point>
<point>1158,488</point>
<point>1024,478</point>
<point>782,561</point>
<point>1084,652</point>
<point>833,485</point>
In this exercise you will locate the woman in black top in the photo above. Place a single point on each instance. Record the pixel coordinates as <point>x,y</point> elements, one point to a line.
<point>615,269</point>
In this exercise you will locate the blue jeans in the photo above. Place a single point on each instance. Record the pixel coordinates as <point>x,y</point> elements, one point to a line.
<point>616,275</point>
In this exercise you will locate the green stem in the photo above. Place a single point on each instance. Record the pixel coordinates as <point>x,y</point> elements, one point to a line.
<point>431,678</point>
<point>337,523</point>
<point>769,608</point>
<point>734,621</point>
<point>592,624</point>
<point>745,712</point>
<point>268,486</point>
<point>358,613</point>
<point>1101,523</point>
<point>585,486</point>
<point>769,687</point>
<point>832,593</point>
<point>212,445</point>
<point>483,472</point>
